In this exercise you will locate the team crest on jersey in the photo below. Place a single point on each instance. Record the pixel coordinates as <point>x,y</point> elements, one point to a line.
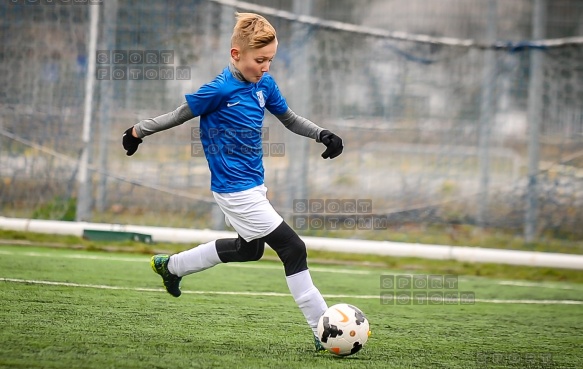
<point>261,98</point>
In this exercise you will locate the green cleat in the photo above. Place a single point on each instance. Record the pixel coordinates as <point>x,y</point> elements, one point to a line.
<point>318,344</point>
<point>159,265</point>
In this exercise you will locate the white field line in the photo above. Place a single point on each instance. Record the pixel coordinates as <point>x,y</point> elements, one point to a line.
<point>538,284</point>
<point>264,294</point>
<point>145,260</point>
<point>269,267</point>
<point>259,266</point>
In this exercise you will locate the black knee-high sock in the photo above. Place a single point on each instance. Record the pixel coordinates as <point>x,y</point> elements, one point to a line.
<point>289,247</point>
<point>283,240</point>
<point>292,252</point>
<point>239,250</point>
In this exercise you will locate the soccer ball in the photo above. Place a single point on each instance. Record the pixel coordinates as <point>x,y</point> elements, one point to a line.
<point>343,329</point>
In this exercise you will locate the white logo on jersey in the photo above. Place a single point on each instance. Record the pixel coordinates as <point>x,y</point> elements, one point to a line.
<point>261,98</point>
<point>233,104</point>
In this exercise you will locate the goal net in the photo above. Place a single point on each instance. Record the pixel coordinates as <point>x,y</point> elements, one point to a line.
<point>436,127</point>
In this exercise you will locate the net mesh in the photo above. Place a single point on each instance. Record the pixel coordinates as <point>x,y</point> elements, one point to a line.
<point>410,109</point>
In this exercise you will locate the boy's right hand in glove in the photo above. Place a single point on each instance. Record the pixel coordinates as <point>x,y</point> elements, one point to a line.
<point>130,143</point>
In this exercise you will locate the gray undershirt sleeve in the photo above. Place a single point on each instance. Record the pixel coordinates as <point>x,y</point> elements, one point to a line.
<point>300,125</point>
<point>175,118</point>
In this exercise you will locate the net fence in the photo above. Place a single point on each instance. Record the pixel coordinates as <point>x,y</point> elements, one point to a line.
<point>436,128</point>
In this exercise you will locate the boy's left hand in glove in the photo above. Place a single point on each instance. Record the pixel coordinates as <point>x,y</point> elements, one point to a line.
<point>333,144</point>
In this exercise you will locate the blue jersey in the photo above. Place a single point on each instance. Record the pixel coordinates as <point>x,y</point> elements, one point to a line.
<point>231,126</point>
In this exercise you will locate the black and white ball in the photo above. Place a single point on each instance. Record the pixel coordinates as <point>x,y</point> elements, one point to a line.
<point>343,329</point>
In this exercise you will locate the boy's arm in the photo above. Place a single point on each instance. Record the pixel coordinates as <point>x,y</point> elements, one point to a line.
<point>305,127</point>
<point>132,137</point>
<point>174,118</point>
<point>300,125</point>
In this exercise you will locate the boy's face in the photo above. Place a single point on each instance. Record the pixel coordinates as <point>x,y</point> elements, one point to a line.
<point>252,63</point>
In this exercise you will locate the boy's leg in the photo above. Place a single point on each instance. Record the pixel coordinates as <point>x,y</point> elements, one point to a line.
<point>292,252</point>
<point>238,250</point>
<point>173,268</point>
<point>251,215</point>
<point>159,264</point>
<point>194,260</point>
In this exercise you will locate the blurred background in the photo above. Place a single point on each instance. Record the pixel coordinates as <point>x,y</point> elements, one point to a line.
<point>461,116</point>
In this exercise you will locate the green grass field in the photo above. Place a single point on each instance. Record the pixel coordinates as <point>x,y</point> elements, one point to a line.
<point>82,309</point>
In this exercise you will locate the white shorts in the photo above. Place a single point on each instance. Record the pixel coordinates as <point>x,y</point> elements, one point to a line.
<point>249,212</point>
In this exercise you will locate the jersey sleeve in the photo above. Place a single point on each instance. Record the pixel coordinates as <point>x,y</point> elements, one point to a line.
<point>275,103</point>
<point>207,99</point>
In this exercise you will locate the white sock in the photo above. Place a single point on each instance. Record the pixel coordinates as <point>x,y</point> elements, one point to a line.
<point>194,260</point>
<point>308,298</point>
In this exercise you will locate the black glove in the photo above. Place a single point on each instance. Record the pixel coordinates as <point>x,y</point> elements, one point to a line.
<point>333,144</point>
<point>130,143</point>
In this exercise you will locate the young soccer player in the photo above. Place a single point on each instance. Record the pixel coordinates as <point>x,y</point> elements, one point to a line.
<point>231,110</point>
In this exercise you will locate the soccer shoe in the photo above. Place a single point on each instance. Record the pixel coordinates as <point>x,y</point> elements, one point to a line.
<point>159,265</point>
<point>318,344</point>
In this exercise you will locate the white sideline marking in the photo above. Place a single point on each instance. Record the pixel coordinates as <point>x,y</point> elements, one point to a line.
<point>275,267</point>
<point>144,260</point>
<point>538,284</point>
<point>274,294</point>
<point>312,269</point>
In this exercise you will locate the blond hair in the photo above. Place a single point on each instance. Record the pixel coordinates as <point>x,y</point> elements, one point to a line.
<point>252,31</point>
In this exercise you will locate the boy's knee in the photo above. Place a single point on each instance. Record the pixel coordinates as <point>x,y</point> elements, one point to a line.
<point>254,250</point>
<point>239,250</point>
<point>290,248</point>
<point>298,249</point>
<point>294,256</point>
